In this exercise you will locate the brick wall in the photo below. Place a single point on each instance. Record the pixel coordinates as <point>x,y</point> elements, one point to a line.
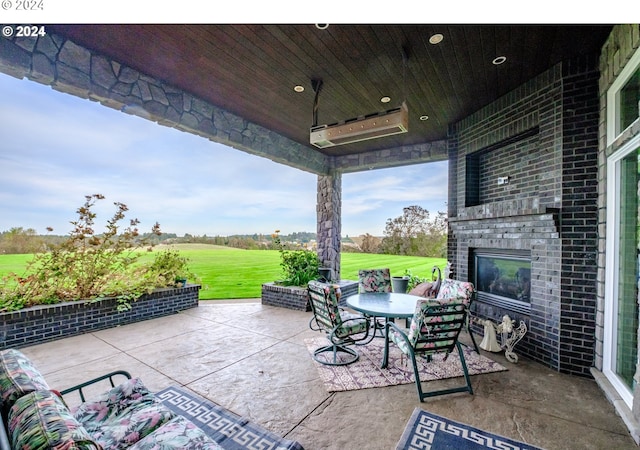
<point>543,136</point>
<point>46,323</point>
<point>295,297</point>
<point>291,297</point>
<point>579,214</point>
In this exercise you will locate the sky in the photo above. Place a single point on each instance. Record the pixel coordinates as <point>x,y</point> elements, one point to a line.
<point>56,148</point>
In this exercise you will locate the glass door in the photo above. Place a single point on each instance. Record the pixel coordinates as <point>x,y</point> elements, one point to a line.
<point>627,314</point>
<point>623,270</point>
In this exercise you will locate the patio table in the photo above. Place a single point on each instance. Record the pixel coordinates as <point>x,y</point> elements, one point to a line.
<point>390,305</point>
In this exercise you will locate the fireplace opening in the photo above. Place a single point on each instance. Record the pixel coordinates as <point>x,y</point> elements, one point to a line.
<point>503,278</point>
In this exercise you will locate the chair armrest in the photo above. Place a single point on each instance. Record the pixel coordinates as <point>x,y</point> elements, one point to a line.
<point>109,376</point>
<point>398,329</point>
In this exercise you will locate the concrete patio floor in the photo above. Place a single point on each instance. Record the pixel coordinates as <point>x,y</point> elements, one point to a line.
<point>251,359</point>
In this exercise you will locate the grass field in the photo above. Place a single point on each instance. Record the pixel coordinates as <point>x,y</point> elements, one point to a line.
<point>233,273</point>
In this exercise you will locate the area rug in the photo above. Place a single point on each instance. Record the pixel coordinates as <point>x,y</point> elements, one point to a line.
<point>231,431</point>
<point>429,431</point>
<point>366,372</point>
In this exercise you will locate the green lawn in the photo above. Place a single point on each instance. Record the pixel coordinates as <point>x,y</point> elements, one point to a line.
<point>233,273</point>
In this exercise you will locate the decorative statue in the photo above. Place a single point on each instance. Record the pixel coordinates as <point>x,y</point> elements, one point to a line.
<point>506,326</point>
<point>510,335</point>
<point>489,341</point>
<point>448,270</point>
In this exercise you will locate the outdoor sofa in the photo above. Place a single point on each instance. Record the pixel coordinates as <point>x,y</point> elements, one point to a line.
<point>126,416</point>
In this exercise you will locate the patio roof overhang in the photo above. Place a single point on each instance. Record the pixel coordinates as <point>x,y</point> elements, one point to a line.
<point>266,74</point>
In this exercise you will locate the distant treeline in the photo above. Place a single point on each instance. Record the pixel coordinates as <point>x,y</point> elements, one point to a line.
<point>414,233</point>
<point>20,240</point>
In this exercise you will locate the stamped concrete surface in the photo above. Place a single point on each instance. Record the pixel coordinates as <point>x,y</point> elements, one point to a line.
<point>251,359</point>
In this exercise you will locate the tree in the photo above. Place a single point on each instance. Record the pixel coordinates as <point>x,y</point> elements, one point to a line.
<point>415,234</point>
<point>370,244</point>
<point>18,240</point>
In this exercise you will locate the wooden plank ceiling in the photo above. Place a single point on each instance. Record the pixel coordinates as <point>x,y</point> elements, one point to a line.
<point>251,70</point>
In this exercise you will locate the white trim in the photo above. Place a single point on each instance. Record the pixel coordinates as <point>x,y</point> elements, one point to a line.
<point>611,271</point>
<point>613,97</point>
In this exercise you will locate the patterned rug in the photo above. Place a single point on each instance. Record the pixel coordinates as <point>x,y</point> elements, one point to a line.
<point>366,372</point>
<point>428,431</point>
<point>226,428</point>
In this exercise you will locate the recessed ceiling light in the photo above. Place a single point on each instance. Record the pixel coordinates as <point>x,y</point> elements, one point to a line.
<point>385,99</point>
<point>499,60</point>
<point>298,88</point>
<point>322,26</point>
<point>436,38</point>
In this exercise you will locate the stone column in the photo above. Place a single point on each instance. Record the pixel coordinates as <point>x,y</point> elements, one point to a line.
<point>328,209</point>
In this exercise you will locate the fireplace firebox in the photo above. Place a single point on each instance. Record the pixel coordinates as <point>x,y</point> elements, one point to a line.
<point>503,278</point>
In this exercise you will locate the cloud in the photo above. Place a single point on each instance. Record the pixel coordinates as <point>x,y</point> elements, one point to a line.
<point>57,148</point>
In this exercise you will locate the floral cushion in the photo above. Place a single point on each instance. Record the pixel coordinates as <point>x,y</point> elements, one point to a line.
<point>426,332</point>
<point>40,420</point>
<point>351,324</point>
<point>374,280</point>
<point>178,433</point>
<point>18,376</point>
<point>454,289</point>
<point>123,415</point>
<point>325,299</point>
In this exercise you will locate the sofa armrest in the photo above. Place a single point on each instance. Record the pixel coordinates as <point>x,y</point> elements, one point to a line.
<point>107,376</point>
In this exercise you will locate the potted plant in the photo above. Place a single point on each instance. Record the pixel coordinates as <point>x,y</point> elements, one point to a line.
<point>400,284</point>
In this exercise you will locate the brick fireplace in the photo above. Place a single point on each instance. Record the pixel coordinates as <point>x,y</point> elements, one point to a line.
<point>523,186</point>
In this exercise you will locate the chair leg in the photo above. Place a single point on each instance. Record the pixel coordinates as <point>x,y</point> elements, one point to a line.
<point>466,388</point>
<point>465,370</point>
<point>473,340</point>
<point>416,375</point>
<point>349,355</point>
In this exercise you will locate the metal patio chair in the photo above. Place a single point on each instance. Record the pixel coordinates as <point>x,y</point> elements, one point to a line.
<point>374,280</point>
<point>459,291</point>
<point>435,328</point>
<point>343,328</point>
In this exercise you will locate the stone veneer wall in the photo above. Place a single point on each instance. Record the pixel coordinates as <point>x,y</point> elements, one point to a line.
<point>45,323</point>
<point>542,135</point>
<point>329,216</point>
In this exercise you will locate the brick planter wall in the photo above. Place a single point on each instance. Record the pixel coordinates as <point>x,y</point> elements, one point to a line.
<point>45,323</point>
<point>292,297</point>
<point>296,297</point>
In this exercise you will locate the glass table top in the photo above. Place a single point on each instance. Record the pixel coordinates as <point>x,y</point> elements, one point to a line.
<point>383,304</point>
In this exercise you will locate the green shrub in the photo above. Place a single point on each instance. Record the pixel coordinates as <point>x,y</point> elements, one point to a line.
<point>299,266</point>
<point>89,265</point>
<point>169,268</point>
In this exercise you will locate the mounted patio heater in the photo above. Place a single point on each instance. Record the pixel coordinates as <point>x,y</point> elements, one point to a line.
<point>376,125</point>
